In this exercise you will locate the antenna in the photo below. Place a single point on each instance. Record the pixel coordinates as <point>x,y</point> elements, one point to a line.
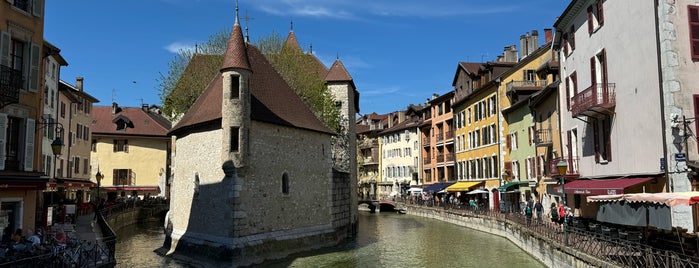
<point>247,23</point>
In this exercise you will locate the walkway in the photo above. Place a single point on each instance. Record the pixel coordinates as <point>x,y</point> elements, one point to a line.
<point>87,229</point>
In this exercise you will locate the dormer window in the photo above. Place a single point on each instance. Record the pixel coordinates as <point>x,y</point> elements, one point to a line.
<point>235,86</point>
<point>122,122</point>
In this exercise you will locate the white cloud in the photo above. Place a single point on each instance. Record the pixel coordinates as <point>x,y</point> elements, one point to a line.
<point>359,10</point>
<point>380,91</point>
<point>176,47</point>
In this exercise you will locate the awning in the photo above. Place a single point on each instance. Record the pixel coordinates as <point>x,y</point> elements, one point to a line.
<point>478,191</point>
<point>131,188</point>
<point>76,183</point>
<point>601,187</point>
<point>23,183</point>
<point>463,186</point>
<point>415,190</point>
<point>511,184</point>
<point>669,199</point>
<point>436,187</point>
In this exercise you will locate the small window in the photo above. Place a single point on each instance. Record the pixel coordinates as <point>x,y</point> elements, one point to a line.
<point>285,183</point>
<point>235,86</point>
<point>235,139</point>
<point>121,146</point>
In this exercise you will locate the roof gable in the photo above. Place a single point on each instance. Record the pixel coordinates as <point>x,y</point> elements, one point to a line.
<point>139,122</point>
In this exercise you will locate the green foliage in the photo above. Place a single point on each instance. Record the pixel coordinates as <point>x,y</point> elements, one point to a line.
<point>189,74</point>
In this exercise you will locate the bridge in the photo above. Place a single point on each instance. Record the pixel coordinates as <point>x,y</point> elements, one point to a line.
<point>383,205</point>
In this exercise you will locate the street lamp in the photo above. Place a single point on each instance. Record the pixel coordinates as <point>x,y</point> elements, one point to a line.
<point>99,178</point>
<point>562,168</point>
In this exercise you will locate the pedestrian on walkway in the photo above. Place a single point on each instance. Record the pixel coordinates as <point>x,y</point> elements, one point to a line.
<point>539,211</point>
<point>528,214</point>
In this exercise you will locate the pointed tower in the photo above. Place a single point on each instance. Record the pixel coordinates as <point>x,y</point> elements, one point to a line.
<point>235,100</point>
<point>344,92</point>
<point>291,41</point>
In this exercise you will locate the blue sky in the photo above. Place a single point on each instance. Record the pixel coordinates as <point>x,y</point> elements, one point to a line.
<point>398,51</point>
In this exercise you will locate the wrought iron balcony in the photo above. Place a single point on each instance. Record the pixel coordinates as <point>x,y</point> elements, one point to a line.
<point>426,142</point>
<point>599,98</point>
<point>10,85</point>
<point>526,85</point>
<point>571,172</point>
<point>542,137</point>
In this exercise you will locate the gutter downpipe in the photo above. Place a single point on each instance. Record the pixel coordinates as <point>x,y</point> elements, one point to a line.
<point>663,125</point>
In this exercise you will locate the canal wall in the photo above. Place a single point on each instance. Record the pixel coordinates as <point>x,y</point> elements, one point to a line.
<point>547,251</point>
<point>129,216</point>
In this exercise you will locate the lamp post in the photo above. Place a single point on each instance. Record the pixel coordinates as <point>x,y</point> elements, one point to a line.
<point>562,168</point>
<point>99,178</point>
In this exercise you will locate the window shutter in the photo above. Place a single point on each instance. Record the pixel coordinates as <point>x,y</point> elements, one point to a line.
<point>574,79</point>
<point>3,131</point>
<point>600,13</point>
<point>508,141</point>
<point>529,129</point>
<point>565,44</point>
<point>115,145</point>
<point>33,84</point>
<point>29,145</point>
<point>593,72</point>
<point>572,37</point>
<point>693,12</point>
<point>568,93</point>
<point>604,71</point>
<point>37,8</point>
<point>590,24</point>
<point>115,177</point>
<point>5,48</point>
<point>595,130</point>
<point>696,115</point>
<point>569,145</point>
<point>607,129</point>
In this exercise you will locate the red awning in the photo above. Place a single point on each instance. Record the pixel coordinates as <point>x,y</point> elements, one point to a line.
<point>601,187</point>
<point>76,183</point>
<point>131,188</point>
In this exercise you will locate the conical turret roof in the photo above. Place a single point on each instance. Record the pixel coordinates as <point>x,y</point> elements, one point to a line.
<point>236,55</point>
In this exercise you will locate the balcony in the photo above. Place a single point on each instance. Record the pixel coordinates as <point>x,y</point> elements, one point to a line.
<point>526,85</point>
<point>10,84</point>
<point>426,142</point>
<point>572,171</point>
<point>599,98</point>
<point>369,161</point>
<point>440,137</point>
<point>542,137</point>
<point>366,144</point>
<point>449,135</point>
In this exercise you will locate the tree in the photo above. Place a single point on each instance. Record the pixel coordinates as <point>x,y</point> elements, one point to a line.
<point>191,71</point>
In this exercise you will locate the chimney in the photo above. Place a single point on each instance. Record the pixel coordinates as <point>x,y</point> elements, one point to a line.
<point>435,96</point>
<point>144,107</point>
<point>533,41</point>
<point>79,83</point>
<point>548,35</point>
<point>115,107</point>
<point>523,39</point>
<point>511,53</point>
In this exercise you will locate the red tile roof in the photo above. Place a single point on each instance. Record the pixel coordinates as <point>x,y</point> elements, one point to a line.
<point>236,54</point>
<point>144,123</point>
<point>273,100</point>
<point>338,73</point>
<point>291,41</point>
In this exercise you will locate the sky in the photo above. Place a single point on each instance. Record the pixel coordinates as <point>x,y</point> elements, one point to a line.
<point>398,52</point>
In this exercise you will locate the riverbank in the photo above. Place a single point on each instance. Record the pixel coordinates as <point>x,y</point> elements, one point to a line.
<point>545,249</point>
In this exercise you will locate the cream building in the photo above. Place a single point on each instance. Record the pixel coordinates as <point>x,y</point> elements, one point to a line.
<point>131,149</point>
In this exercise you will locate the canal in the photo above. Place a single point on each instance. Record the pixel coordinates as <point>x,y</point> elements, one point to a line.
<point>384,240</point>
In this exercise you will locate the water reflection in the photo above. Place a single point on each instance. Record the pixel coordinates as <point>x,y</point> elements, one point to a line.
<point>384,240</point>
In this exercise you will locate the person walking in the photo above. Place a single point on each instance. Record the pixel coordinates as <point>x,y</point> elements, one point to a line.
<point>528,214</point>
<point>539,211</point>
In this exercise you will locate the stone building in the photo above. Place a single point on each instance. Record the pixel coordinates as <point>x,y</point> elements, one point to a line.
<point>255,175</point>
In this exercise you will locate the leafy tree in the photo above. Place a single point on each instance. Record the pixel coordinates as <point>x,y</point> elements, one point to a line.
<point>191,71</point>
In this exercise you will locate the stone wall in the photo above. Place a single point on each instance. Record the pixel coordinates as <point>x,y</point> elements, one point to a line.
<point>546,251</point>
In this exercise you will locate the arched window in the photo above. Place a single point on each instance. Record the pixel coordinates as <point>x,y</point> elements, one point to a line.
<point>285,183</point>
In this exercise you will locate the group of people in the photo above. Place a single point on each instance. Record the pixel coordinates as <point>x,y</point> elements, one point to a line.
<point>30,242</point>
<point>531,207</point>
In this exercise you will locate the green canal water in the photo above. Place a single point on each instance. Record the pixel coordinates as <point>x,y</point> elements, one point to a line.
<point>384,240</point>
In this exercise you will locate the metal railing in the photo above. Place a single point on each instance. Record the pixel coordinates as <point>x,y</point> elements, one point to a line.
<point>611,249</point>
<point>526,84</point>
<point>10,85</point>
<point>599,95</point>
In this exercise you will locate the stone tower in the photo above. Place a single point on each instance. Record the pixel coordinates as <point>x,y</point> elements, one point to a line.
<point>235,124</point>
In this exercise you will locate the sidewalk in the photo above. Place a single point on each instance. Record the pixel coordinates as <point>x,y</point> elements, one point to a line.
<point>87,229</point>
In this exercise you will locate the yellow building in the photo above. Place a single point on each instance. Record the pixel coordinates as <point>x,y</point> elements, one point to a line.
<point>131,149</point>
<point>527,149</point>
<point>476,117</point>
